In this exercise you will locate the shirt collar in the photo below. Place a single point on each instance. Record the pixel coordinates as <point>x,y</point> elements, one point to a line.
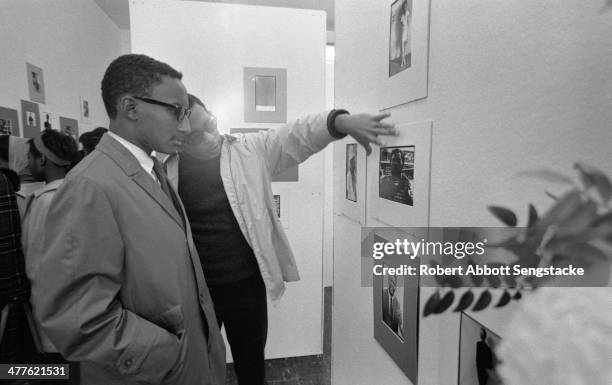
<point>49,187</point>
<point>143,158</point>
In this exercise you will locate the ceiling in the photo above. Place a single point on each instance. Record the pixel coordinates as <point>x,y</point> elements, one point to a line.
<point>119,11</point>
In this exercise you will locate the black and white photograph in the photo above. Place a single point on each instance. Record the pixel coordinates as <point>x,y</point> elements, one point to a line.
<point>351,172</point>
<point>36,83</point>
<point>277,205</point>
<point>396,174</point>
<point>242,168</point>
<point>400,52</point>
<point>85,110</point>
<point>477,358</point>
<point>9,123</point>
<point>30,115</point>
<point>393,304</point>
<point>69,126</point>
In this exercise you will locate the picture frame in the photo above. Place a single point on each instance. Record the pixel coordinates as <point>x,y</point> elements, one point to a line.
<point>351,172</point>
<point>415,137</point>
<point>36,83</point>
<point>49,120</point>
<point>396,316</point>
<point>69,126</point>
<point>353,210</point>
<point>85,108</point>
<point>404,69</point>
<point>277,205</point>
<point>9,122</point>
<point>30,117</point>
<point>265,95</point>
<point>476,356</point>
<point>291,174</point>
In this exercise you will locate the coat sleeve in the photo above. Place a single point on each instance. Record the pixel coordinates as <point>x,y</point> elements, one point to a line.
<point>81,274</point>
<point>293,143</point>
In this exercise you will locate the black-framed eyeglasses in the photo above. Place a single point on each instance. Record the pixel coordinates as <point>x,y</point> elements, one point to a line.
<point>179,111</point>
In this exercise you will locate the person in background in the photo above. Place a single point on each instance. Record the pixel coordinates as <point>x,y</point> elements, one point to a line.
<point>124,291</point>
<point>90,139</point>
<point>16,343</point>
<point>225,185</point>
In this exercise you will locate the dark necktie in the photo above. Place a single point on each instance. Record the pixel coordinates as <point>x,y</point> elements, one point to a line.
<point>163,181</point>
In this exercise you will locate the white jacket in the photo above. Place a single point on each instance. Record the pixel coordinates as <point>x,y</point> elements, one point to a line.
<point>247,163</point>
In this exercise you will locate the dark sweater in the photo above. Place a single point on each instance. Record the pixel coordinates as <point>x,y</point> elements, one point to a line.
<point>224,252</point>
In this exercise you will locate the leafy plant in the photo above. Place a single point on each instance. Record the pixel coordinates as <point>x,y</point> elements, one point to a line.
<point>577,230</point>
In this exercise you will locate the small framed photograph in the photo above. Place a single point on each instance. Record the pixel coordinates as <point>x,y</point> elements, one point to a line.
<point>351,172</point>
<point>36,83</point>
<point>85,110</point>
<point>265,95</point>
<point>396,174</point>
<point>69,126</point>
<point>277,205</point>
<point>477,359</point>
<point>404,69</point>
<point>351,201</point>
<point>49,120</point>
<point>9,122</point>
<point>399,178</point>
<point>30,116</point>
<point>396,307</point>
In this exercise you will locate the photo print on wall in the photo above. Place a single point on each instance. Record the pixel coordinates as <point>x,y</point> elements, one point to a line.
<point>400,23</point>
<point>477,360</point>
<point>351,172</point>
<point>9,122</point>
<point>396,174</point>
<point>36,83</point>
<point>30,116</point>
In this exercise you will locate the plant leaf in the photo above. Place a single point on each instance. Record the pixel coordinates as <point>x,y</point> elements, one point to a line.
<point>483,301</point>
<point>549,176</point>
<point>465,301</point>
<point>445,302</point>
<point>431,304</point>
<point>533,216</point>
<point>503,214</point>
<point>593,177</point>
<point>504,299</point>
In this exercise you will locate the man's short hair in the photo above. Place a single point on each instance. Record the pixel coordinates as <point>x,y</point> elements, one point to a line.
<point>60,144</point>
<point>135,75</point>
<point>90,139</point>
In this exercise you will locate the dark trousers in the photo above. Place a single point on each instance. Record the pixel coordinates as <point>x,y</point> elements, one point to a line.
<point>242,308</point>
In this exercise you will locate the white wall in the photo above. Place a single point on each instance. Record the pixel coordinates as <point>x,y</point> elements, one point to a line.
<point>211,43</point>
<point>73,41</point>
<point>512,87</point>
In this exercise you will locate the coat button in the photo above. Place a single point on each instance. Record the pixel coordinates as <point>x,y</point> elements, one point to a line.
<point>128,363</point>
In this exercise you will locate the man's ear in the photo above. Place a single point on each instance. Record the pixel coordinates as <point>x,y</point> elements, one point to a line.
<point>127,104</point>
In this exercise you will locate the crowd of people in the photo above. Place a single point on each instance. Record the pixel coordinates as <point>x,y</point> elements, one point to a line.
<point>130,254</point>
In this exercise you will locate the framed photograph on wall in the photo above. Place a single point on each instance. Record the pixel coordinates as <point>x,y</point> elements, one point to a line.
<point>350,200</point>
<point>9,122</point>
<point>396,309</point>
<point>291,174</point>
<point>277,205</point>
<point>477,359</point>
<point>85,110</point>
<point>265,95</point>
<point>49,120</point>
<point>404,70</point>
<point>36,83</point>
<point>69,126</point>
<point>351,172</point>
<point>399,178</point>
<point>30,116</point>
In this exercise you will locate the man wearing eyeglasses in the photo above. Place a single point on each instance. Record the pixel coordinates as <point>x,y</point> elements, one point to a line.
<point>122,289</point>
